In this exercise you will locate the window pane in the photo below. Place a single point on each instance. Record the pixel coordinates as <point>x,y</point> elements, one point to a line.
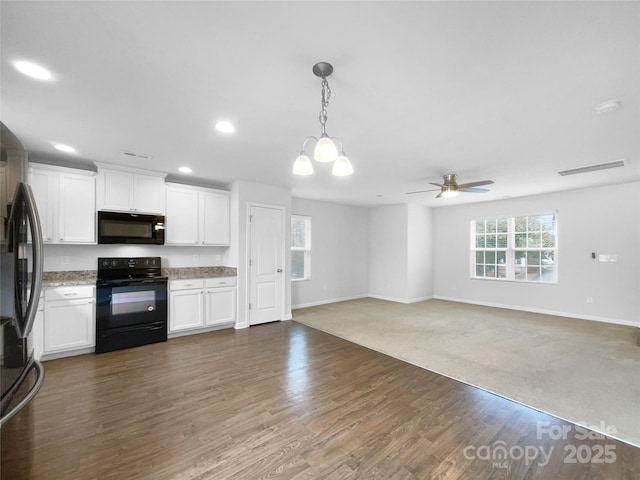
<point>491,241</point>
<point>502,241</point>
<point>548,240</point>
<point>492,225</point>
<point>480,240</point>
<point>491,257</point>
<point>502,272</point>
<point>521,240</point>
<point>533,258</point>
<point>533,240</point>
<point>479,270</point>
<point>298,233</point>
<point>521,224</point>
<point>479,257</point>
<point>502,256</point>
<point>533,224</point>
<point>548,223</point>
<point>480,226</point>
<point>297,264</point>
<point>503,225</point>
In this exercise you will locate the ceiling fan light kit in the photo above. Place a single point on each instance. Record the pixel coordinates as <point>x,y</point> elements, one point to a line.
<point>325,150</point>
<point>451,188</point>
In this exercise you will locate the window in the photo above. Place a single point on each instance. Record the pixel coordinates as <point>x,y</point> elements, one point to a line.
<point>300,247</point>
<point>515,248</point>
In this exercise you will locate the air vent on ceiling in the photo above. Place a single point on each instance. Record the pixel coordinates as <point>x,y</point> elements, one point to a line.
<point>593,168</point>
<point>130,154</point>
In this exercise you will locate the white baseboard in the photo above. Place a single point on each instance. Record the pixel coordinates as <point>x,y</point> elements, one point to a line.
<point>400,300</point>
<point>324,302</point>
<point>594,318</point>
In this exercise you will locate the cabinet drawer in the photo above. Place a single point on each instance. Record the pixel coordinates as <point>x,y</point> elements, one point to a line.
<point>186,284</point>
<point>68,293</point>
<point>221,282</point>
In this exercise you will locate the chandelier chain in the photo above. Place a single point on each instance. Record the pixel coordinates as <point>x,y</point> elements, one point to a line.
<point>326,97</point>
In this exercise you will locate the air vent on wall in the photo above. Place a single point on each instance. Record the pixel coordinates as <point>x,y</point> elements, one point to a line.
<point>593,168</point>
<point>130,154</point>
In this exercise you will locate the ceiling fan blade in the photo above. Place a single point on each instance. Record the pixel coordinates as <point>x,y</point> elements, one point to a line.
<point>439,195</point>
<point>436,184</point>
<point>473,190</point>
<point>422,191</point>
<point>475,184</point>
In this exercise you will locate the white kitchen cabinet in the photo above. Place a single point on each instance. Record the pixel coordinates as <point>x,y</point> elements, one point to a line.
<point>38,330</point>
<point>130,190</point>
<point>186,305</point>
<point>220,298</point>
<point>66,203</point>
<point>197,216</point>
<point>201,303</point>
<point>69,318</point>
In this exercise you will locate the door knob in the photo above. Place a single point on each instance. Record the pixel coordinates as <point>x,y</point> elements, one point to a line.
<point>279,270</point>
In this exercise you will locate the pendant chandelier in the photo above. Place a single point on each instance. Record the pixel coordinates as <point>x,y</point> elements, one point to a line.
<point>325,150</point>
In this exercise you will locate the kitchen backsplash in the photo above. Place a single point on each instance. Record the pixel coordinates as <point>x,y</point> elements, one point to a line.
<point>84,257</point>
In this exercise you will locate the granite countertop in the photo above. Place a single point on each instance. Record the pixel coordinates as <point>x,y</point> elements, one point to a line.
<point>88,277</point>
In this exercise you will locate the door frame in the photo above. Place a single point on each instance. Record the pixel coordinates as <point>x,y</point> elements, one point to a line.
<point>285,263</point>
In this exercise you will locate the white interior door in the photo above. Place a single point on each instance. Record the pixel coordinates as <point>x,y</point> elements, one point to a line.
<point>266,255</point>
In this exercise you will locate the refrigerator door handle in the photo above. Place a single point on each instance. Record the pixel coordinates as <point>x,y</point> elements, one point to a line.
<point>24,195</point>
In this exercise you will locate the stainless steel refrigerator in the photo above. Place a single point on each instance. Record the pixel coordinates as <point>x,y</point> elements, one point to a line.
<point>21,263</point>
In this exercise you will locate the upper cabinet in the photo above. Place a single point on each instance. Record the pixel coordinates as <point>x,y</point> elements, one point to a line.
<point>66,203</point>
<point>130,190</point>
<point>197,216</point>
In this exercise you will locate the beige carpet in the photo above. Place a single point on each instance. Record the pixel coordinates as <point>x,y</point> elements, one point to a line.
<point>578,370</point>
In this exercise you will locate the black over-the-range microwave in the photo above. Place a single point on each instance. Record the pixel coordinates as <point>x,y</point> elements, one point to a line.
<point>132,228</point>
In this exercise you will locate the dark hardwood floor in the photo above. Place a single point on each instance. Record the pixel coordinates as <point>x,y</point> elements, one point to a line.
<point>284,401</point>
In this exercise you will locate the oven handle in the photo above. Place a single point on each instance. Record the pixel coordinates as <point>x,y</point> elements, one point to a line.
<point>133,328</point>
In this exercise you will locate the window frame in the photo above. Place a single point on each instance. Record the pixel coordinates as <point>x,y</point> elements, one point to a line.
<point>510,252</point>
<point>306,249</point>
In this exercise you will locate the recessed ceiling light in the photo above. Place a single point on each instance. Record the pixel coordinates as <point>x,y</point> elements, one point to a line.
<point>32,70</point>
<point>185,170</point>
<point>225,127</point>
<point>65,148</point>
<point>608,106</point>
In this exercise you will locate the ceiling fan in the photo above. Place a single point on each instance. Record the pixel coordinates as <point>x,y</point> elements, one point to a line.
<point>450,187</point>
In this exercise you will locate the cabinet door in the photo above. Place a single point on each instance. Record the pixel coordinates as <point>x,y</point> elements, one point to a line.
<point>215,218</point>
<point>115,190</point>
<point>77,209</point>
<point>44,185</point>
<point>221,306</point>
<point>148,194</point>
<point>69,325</point>
<point>38,331</point>
<point>186,309</point>
<point>182,216</point>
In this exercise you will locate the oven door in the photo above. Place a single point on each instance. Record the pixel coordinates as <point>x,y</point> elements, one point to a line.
<point>125,303</point>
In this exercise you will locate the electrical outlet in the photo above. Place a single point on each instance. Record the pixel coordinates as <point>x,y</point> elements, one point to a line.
<point>589,299</point>
<point>64,260</point>
<point>196,258</point>
<point>218,258</point>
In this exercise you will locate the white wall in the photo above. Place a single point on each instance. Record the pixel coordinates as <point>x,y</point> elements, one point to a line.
<point>400,253</point>
<point>339,261</point>
<point>84,257</point>
<point>388,252</point>
<point>600,220</point>
<point>420,253</point>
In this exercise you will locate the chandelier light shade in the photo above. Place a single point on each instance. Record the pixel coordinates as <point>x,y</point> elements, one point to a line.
<point>302,165</point>
<point>325,150</point>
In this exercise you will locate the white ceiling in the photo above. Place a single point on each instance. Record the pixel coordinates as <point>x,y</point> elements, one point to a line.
<point>487,90</point>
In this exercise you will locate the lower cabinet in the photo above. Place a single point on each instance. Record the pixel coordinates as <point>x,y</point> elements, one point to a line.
<point>186,304</point>
<point>69,319</point>
<point>201,303</point>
